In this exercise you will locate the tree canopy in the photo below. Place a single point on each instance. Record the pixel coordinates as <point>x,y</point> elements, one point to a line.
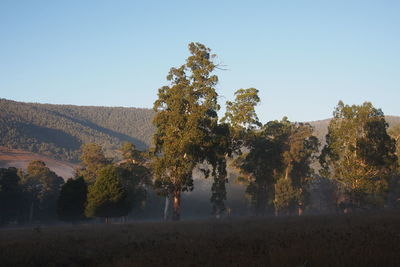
<point>10,195</point>
<point>241,113</point>
<point>93,160</point>
<point>72,200</point>
<point>43,187</point>
<point>359,153</point>
<point>186,116</point>
<point>107,197</point>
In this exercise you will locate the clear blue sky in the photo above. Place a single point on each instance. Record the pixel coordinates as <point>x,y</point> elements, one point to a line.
<point>303,56</point>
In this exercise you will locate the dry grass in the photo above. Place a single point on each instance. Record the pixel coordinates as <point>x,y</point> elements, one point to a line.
<point>357,240</point>
<point>20,159</point>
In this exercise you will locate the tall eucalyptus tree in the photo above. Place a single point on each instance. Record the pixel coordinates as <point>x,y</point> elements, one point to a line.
<point>359,153</point>
<point>186,121</point>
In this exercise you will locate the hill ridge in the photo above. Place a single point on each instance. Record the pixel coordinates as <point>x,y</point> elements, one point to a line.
<point>58,130</point>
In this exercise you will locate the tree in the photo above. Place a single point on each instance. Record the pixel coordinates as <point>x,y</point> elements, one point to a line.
<point>257,154</point>
<point>257,166</point>
<point>217,154</point>
<point>42,186</point>
<point>279,151</point>
<point>359,153</point>
<point>107,197</point>
<point>10,195</point>
<point>286,196</point>
<point>134,174</point>
<point>186,116</point>
<point>72,200</point>
<point>93,160</point>
<point>241,113</point>
<point>299,148</point>
<point>130,153</point>
<point>394,184</point>
<point>394,132</point>
<point>241,116</point>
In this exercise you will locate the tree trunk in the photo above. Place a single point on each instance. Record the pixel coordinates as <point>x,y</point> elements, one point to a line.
<point>31,213</point>
<point>300,207</point>
<point>262,199</point>
<point>300,211</point>
<point>106,220</point>
<point>287,172</point>
<point>177,205</point>
<point>166,208</point>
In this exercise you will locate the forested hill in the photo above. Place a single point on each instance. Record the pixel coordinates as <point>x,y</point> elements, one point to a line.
<point>60,130</point>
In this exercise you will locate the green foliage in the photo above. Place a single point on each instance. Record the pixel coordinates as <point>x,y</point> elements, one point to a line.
<point>10,195</point>
<point>72,200</point>
<point>359,153</point>
<point>299,151</point>
<point>135,175</point>
<point>279,150</point>
<point>395,134</point>
<point>60,130</point>
<point>257,166</point>
<point>376,146</point>
<point>216,154</point>
<point>254,164</point>
<point>93,160</point>
<point>107,197</point>
<point>185,119</point>
<point>286,196</point>
<point>241,113</point>
<point>42,187</point>
<point>129,152</point>
<point>135,179</point>
<point>241,116</point>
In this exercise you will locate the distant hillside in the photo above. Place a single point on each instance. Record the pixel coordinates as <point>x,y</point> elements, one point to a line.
<point>321,126</point>
<point>60,130</point>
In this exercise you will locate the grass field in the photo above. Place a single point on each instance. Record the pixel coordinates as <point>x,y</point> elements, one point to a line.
<point>20,159</point>
<point>355,240</point>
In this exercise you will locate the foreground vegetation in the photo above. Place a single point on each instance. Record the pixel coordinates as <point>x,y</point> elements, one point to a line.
<point>347,240</point>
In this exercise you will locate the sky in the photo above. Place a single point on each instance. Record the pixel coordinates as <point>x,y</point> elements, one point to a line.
<point>303,56</point>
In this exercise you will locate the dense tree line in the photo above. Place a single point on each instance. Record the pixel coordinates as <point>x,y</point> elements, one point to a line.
<point>281,163</point>
<point>59,130</point>
<point>273,160</point>
<point>110,189</point>
<point>359,159</point>
<point>30,196</point>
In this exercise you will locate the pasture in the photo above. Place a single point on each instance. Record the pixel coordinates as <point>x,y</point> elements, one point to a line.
<point>348,240</point>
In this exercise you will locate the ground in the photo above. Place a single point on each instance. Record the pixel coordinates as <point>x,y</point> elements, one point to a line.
<point>20,159</point>
<point>350,240</point>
